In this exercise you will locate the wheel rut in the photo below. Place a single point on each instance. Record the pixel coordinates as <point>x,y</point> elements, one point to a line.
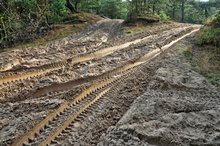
<point>101,54</point>
<point>37,71</point>
<point>61,120</point>
<point>55,126</point>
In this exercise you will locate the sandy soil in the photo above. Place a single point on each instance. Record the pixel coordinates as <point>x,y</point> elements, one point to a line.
<point>170,90</point>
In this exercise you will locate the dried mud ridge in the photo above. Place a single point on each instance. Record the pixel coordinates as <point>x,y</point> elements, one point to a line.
<point>62,120</point>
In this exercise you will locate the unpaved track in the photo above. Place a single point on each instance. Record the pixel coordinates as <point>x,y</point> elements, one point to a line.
<point>115,52</point>
<point>33,72</point>
<point>129,50</point>
<point>68,110</point>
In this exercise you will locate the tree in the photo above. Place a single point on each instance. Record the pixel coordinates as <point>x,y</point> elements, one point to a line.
<point>73,6</point>
<point>114,8</point>
<point>174,6</point>
<point>182,10</point>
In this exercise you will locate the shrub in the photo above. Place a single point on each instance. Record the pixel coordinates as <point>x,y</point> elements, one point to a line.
<point>57,10</point>
<point>210,34</point>
<point>22,20</point>
<point>214,21</point>
<point>164,16</point>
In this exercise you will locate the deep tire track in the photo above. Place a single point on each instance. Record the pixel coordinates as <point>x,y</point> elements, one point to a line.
<point>41,70</point>
<point>28,137</point>
<point>70,84</point>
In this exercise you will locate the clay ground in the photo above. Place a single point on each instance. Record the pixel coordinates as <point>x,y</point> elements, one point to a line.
<point>97,75</point>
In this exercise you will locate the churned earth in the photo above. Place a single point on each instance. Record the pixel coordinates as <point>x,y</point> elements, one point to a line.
<point>179,107</point>
<point>159,102</point>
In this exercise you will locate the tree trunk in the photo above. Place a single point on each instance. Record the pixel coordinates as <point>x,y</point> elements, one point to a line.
<point>145,6</point>
<point>183,10</point>
<point>206,13</point>
<point>136,7</point>
<point>98,3</point>
<point>76,6</point>
<point>154,7</point>
<point>71,7</point>
<point>97,11</point>
<point>148,7</point>
<point>174,10</point>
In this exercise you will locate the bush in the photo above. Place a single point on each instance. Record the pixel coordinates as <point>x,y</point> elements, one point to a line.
<point>210,34</point>
<point>24,20</point>
<point>164,16</point>
<point>214,21</point>
<point>57,10</point>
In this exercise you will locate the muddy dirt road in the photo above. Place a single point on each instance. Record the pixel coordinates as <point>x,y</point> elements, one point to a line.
<point>71,91</point>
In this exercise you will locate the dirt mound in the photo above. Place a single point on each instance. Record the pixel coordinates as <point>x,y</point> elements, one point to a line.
<point>82,17</point>
<point>143,20</point>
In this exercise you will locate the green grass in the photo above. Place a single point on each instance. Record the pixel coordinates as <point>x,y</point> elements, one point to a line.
<point>134,29</point>
<point>213,78</point>
<point>187,52</point>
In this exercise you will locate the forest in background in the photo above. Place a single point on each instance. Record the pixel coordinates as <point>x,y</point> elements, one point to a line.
<point>22,20</point>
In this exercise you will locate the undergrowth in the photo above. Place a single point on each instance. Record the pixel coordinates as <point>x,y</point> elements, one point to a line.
<point>210,33</point>
<point>204,60</point>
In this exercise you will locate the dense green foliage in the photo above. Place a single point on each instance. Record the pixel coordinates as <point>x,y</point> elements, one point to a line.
<point>210,34</point>
<point>114,9</point>
<point>24,18</point>
<point>192,11</point>
<point>215,21</point>
<point>57,10</point>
